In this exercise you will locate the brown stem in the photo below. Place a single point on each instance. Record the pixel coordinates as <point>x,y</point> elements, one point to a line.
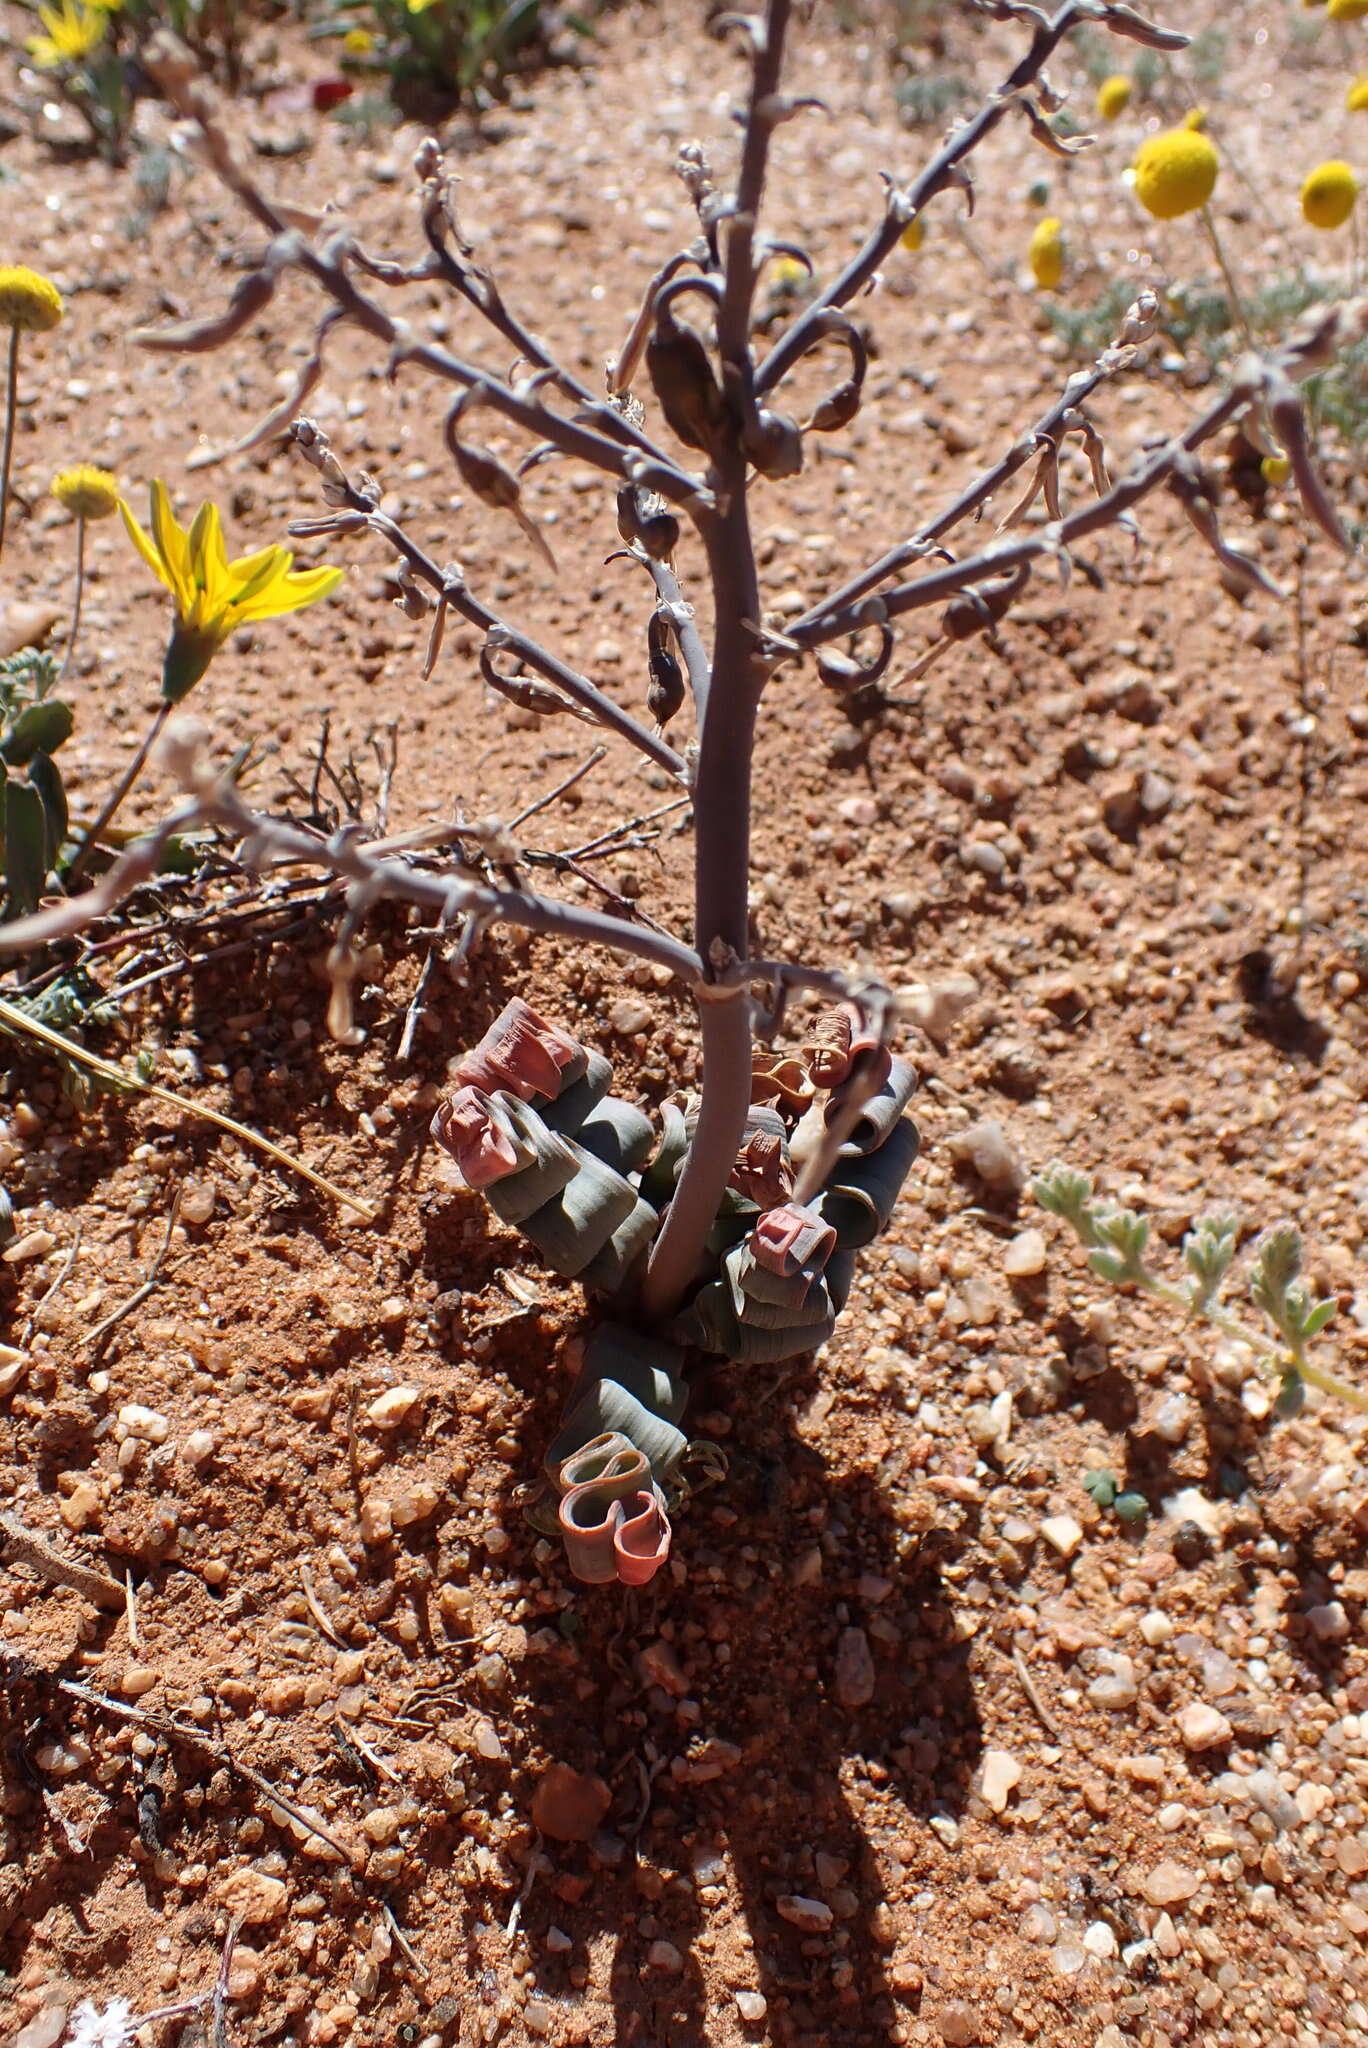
<point>131,774</point>
<point>76,607</point>
<point>11,402</point>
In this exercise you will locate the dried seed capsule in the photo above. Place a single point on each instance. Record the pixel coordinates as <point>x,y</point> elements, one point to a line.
<point>837,409</point>
<point>681,371</point>
<point>645,521</point>
<point>774,443</point>
<point>666,692</point>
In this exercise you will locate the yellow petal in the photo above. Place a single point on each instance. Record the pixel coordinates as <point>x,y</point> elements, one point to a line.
<point>173,546</point>
<point>145,547</point>
<point>250,572</point>
<point>288,593</point>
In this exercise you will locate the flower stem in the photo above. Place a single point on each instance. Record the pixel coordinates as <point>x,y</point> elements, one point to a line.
<point>76,608</point>
<point>11,403</point>
<point>1237,304</point>
<point>131,774</point>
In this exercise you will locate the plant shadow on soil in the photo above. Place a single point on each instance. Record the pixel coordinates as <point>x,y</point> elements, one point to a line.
<point>755,1632</point>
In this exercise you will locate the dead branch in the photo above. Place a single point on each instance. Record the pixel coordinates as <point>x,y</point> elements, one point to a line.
<point>19,1545</point>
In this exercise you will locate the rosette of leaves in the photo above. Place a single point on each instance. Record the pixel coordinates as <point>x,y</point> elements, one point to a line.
<point>33,804</point>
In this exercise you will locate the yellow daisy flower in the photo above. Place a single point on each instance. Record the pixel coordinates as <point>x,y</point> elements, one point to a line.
<point>1113,96</point>
<point>1356,99</point>
<point>1175,173</point>
<point>1347,10</point>
<point>213,595</point>
<point>1327,197</point>
<point>87,492</point>
<point>358,42</point>
<point>28,301</point>
<point>1045,253</point>
<point>73,31</point>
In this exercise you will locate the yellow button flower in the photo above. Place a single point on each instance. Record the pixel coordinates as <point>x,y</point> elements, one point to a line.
<point>213,595</point>
<point>358,42</point>
<point>1276,469</point>
<point>1356,99</point>
<point>28,301</point>
<point>1327,197</point>
<point>87,492</point>
<point>1347,10</point>
<point>1113,96</point>
<point>1196,119</point>
<point>1045,253</point>
<point>73,31</point>
<point>913,235</point>
<point>1175,173</point>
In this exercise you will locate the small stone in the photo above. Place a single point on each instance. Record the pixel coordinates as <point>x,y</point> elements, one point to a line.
<point>1330,1623</point>
<point>1166,1937</point>
<point>1062,1533</point>
<point>855,1675</point>
<point>663,1955</point>
<point>1169,1883</point>
<point>415,1503</point>
<point>568,1805</point>
<point>198,1448</point>
<point>1000,1775</point>
<point>148,1423</point>
<point>44,2030</point>
<point>1116,1687</point>
<point>1025,1256</point>
<point>377,1518</point>
<point>81,1506</point>
<point>630,1017</point>
<point>935,1006</point>
<point>392,1407</point>
<point>136,1680</point>
<point>1155,1627</point>
<point>487,1743</point>
<point>986,859</point>
<point>1173,1419</point>
<point>1099,1940</point>
<point>1038,1924</point>
<point>197,1202</point>
<point>958,2023</point>
<point>252,1896</point>
<point>537,2016</point>
<point>381,1825</point>
<point>34,1244</point>
<point>986,1149</point>
<point>658,1664</point>
<point>814,1916</point>
<point>1204,1727</point>
<point>752,2006</point>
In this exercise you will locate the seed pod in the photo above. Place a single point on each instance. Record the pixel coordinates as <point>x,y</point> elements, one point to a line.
<point>774,443</point>
<point>482,473</point>
<point>646,521</point>
<point>666,692</point>
<point>837,409</point>
<point>681,371</point>
<point>979,610</point>
<point>251,295</point>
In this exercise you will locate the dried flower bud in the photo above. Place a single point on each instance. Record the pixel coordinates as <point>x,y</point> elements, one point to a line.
<point>791,1240</point>
<point>471,1128</point>
<point>646,521</point>
<point>825,1052</point>
<point>523,1053</point>
<point>761,1171</point>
